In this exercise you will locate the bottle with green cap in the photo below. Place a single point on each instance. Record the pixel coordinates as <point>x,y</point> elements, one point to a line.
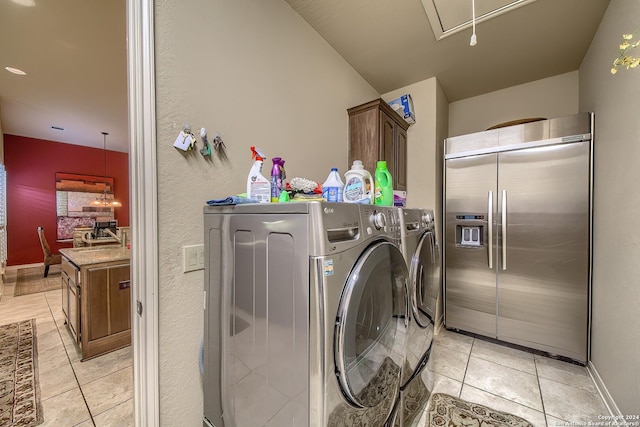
<point>383,185</point>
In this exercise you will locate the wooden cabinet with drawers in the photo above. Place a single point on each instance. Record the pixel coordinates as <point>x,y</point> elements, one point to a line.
<point>96,299</point>
<point>376,132</point>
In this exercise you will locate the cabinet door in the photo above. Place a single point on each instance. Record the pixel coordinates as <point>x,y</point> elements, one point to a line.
<point>400,154</point>
<point>387,143</point>
<point>119,298</point>
<point>65,295</point>
<point>96,296</point>
<point>363,138</point>
<point>74,309</point>
<point>108,301</point>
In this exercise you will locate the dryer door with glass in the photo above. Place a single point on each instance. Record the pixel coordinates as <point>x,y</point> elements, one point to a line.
<point>425,280</point>
<point>371,323</point>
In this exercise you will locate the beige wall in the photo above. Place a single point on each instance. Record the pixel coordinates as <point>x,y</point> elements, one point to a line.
<point>256,72</point>
<point>615,348</point>
<point>421,150</point>
<point>426,143</point>
<point>442,129</point>
<point>425,148</point>
<point>555,96</point>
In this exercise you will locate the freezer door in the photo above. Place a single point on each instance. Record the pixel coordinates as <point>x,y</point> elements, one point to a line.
<point>543,270</point>
<point>470,244</point>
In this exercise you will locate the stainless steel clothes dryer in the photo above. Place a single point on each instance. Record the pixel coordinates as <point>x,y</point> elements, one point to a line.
<point>306,314</point>
<point>422,254</point>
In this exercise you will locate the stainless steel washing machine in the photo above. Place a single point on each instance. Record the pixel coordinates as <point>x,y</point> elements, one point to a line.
<point>422,255</point>
<point>306,314</point>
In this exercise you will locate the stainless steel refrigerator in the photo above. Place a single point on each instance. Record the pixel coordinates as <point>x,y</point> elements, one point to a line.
<point>518,234</point>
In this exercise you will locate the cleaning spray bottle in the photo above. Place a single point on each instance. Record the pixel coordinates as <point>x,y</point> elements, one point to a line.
<point>278,176</point>
<point>283,178</point>
<point>258,187</point>
<point>276,179</point>
<point>383,185</point>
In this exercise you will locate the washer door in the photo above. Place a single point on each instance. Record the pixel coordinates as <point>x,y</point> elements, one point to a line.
<point>371,323</point>
<point>425,279</point>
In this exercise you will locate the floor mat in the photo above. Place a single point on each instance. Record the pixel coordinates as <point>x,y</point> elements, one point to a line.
<point>448,411</point>
<point>19,388</point>
<point>30,280</point>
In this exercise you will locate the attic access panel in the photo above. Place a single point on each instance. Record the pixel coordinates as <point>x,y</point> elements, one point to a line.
<point>448,17</point>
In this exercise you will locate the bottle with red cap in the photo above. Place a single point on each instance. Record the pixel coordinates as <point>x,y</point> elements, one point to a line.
<point>258,187</point>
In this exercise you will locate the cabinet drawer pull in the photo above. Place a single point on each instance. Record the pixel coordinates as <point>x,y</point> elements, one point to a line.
<point>125,284</point>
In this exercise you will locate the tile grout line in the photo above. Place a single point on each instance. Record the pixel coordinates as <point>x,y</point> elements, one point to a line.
<point>504,398</point>
<point>544,411</point>
<point>466,368</point>
<point>84,399</point>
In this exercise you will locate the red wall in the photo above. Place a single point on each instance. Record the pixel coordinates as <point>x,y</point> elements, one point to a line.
<point>31,166</point>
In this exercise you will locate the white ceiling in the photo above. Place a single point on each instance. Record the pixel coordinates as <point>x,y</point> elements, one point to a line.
<point>74,52</point>
<point>391,44</point>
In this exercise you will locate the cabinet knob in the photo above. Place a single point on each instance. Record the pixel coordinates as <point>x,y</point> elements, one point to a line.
<point>125,284</point>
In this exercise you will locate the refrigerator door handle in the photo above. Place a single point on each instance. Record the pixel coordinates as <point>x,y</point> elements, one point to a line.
<point>504,229</point>
<point>490,230</point>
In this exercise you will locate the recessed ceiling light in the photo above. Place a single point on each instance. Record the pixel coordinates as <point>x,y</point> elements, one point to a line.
<point>28,3</point>
<point>15,71</point>
<point>56,128</point>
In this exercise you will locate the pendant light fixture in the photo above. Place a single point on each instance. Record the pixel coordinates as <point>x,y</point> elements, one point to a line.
<point>103,200</point>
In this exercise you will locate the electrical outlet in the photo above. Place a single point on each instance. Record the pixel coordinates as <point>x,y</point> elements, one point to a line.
<point>192,258</point>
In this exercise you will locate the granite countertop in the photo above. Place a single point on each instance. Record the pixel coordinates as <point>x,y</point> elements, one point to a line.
<point>96,255</point>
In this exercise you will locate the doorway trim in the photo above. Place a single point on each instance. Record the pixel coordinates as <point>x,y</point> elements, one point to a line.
<point>144,211</point>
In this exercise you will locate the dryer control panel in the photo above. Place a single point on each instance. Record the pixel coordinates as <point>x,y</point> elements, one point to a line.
<point>381,220</point>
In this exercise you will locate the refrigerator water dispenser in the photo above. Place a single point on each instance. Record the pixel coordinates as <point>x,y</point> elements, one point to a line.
<point>467,235</point>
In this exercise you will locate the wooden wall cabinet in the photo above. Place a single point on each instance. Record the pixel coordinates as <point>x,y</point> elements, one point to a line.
<point>376,132</point>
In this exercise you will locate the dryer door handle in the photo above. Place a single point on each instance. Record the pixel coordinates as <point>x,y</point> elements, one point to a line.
<point>407,303</point>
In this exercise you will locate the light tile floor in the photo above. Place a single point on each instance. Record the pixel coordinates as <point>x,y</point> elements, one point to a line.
<point>545,391</point>
<point>97,392</point>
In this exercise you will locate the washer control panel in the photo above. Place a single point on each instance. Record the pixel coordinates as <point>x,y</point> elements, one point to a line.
<point>379,220</point>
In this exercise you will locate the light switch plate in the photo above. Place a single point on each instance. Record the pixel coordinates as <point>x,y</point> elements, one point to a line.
<point>192,258</point>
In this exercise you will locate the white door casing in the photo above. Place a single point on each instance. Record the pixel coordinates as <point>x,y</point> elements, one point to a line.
<point>144,212</point>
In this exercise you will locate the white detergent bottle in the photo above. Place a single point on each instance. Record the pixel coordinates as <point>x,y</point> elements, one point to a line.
<point>358,187</point>
<point>333,187</point>
<point>258,187</point>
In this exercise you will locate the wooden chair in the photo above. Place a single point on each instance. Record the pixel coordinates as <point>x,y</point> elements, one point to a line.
<point>49,258</point>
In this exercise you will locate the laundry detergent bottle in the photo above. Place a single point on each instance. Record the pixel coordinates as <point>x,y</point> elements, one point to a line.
<point>358,187</point>
<point>333,187</point>
<point>383,185</point>
<point>258,187</point>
